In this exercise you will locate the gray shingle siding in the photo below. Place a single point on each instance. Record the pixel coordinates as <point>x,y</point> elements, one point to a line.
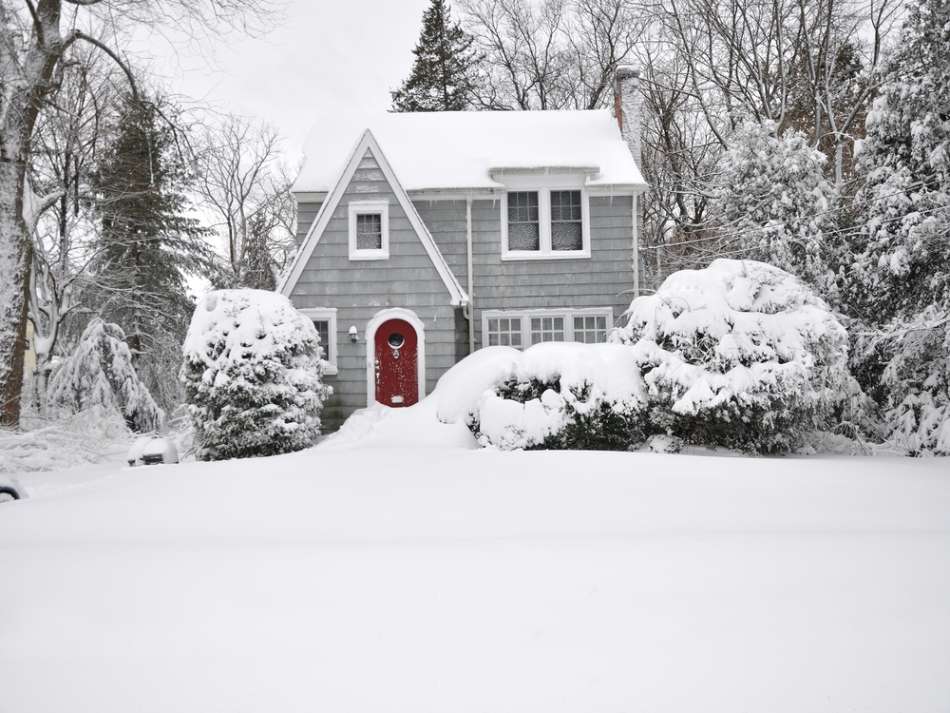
<point>306,214</point>
<point>605,279</point>
<point>359,290</point>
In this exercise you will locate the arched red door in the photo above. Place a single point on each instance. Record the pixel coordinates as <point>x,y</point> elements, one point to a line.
<point>397,363</point>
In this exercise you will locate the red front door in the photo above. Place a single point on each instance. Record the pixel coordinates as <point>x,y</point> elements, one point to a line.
<point>397,363</point>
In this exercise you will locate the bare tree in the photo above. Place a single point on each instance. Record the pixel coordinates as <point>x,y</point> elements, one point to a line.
<point>244,184</point>
<point>35,39</point>
<point>556,54</point>
<point>839,71</point>
<point>65,143</point>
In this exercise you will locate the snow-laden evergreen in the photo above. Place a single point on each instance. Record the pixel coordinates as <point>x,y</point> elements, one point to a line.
<point>740,354</point>
<point>253,376</point>
<point>99,373</point>
<point>899,282</point>
<point>774,203</point>
<point>443,73</point>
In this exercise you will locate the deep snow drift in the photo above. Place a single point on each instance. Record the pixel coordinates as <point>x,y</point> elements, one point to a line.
<point>416,578</point>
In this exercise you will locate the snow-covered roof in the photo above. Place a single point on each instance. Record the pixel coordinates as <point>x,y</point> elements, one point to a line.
<point>445,150</point>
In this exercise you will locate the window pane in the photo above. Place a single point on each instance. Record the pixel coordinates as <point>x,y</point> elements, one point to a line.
<point>567,236</point>
<point>524,236</point>
<point>369,231</point>
<point>323,329</point>
<point>566,228</point>
<point>524,231</point>
<point>547,329</point>
<point>565,205</point>
<point>504,331</point>
<point>590,329</point>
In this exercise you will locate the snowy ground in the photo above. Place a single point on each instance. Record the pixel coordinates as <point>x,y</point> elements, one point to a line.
<point>411,577</point>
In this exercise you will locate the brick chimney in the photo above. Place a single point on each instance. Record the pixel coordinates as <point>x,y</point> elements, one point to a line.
<point>627,102</point>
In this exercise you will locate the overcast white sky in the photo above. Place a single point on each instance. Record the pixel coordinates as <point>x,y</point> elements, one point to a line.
<point>325,57</point>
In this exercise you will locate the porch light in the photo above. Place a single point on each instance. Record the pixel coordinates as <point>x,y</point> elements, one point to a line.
<point>354,334</point>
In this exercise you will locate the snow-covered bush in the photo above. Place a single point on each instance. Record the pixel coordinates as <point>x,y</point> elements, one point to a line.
<point>774,202</point>
<point>739,354</point>
<point>99,374</point>
<point>563,396</point>
<point>253,376</point>
<point>914,385</point>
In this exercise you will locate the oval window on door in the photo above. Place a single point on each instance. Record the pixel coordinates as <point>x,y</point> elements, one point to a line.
<point>396,340</point>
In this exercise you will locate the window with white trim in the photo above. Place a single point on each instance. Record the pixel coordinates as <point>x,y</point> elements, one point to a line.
<point>503,331</point>
<point>547,329</point>
<point>545,223</point>
<point>369,230</point>
<point>524,228</point>
<point>324,320</point>
<point>522,328</point>
<point>567,227</point>
<point>590,328</point>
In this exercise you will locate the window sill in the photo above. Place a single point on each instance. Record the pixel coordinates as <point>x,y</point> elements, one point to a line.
<point>367,255</point>
<point>515,255</point>
<point>329,369</point>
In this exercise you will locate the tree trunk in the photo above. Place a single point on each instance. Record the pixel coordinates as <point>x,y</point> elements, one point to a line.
<point>15,262</point>
<point>28,78</point>
<point>839,162</point>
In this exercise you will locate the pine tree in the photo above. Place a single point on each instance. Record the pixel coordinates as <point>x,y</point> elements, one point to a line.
<point>442,77</point>
<point>253,376</point>
<point>899,282</point>
<point>147,243</point>
<point>774,203</point>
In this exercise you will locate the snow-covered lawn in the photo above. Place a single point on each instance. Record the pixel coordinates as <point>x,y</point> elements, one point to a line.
<point>386,578</point>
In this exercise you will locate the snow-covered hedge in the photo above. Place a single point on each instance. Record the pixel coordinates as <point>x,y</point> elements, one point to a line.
<point>740,354</point>
<point>99,374</point>
<point>557,395</point>
<point>253,376</point>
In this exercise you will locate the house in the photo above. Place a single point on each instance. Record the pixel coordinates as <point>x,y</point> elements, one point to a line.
<point>440,233</point>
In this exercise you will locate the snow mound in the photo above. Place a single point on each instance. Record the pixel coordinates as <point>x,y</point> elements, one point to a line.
<point>95,435</point>
<point>253,375</point>
<point>417,426</point>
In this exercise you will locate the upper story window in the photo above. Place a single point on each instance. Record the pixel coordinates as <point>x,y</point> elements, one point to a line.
<point>369,230</point>
<point>567,226</point>
<point>545,224</point>
<point>524,228</point>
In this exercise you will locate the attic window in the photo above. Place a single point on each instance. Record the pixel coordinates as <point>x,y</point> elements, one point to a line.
<point>369,230</point>
<point>545,223</point>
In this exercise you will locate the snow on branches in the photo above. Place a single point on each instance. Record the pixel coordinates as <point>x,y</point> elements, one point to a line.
<point>99,374</point>
<point>740,354</point>
<point>253,376</point>
<point>775,201</point>
<point>899,281</point>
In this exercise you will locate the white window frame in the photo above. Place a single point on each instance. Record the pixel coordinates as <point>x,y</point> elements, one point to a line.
<point>367,208</point>
<point>326,314</point>
<point>568,313</point>
<point>543,187</point>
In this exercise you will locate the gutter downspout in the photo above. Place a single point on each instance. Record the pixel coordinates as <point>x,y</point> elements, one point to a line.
<point>636,250</point>
<point>470,308</point>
